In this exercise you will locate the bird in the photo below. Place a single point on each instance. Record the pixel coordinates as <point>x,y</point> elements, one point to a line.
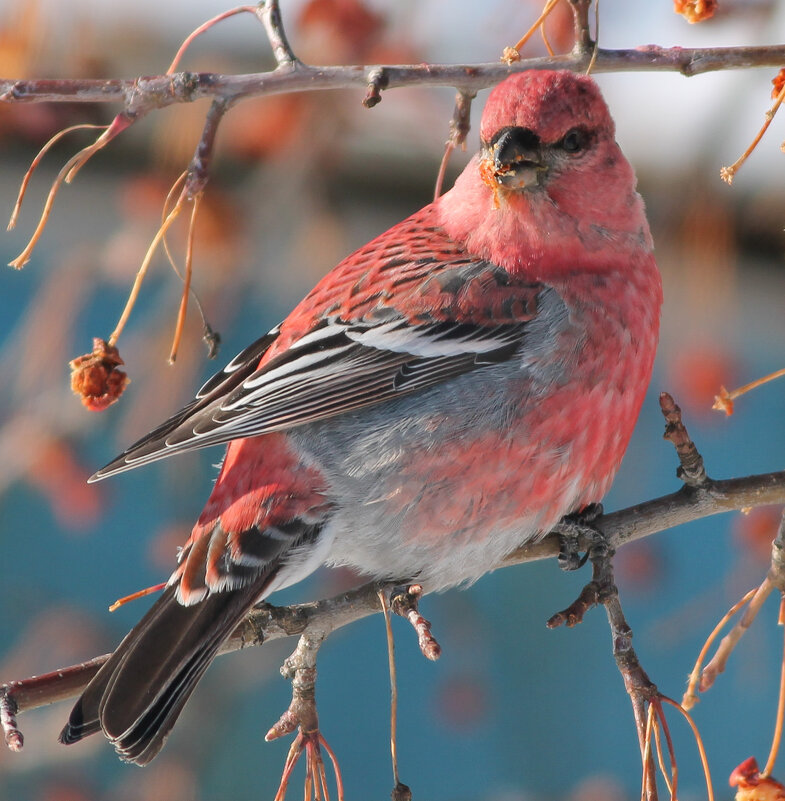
<point>444,395</point>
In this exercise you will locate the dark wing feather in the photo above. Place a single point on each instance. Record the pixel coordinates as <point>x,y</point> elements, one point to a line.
<point>214,388</point>
<point>340,365</point>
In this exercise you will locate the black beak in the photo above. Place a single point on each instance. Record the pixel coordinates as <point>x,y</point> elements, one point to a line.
<point>516,158</point>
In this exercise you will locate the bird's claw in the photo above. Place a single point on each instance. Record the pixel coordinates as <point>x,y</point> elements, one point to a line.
<point>574,527</point>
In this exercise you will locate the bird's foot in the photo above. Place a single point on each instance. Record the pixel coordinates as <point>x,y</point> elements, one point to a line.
<point>577,528</point>
<point>573,528</point>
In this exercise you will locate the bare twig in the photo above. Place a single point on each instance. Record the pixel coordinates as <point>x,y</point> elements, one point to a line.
<point>584,44</point>
<point>300,667</point>
<point>602,590</point>
<point>270,15</point>
<point>459,129</point>
<point>691,469</point>
<point>13,737</point>
<point>405,603</point>
<point>377,80</point>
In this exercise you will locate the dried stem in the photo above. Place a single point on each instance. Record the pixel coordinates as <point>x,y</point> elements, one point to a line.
<point>728,173</point>
<point>699,742</point>
<point>513,54</point>
<point>203,28</point>
<point>189,255</point>
<point>718,662</point>
<point>777,738</point>
<point>393,688</point>
<point>66,175</point>
<point>142,272</point>
<point>724,401</point>
<point>34,164</point>
<point>690,697</point>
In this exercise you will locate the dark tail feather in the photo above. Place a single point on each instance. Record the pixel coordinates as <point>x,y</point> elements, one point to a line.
<point>137,696</point>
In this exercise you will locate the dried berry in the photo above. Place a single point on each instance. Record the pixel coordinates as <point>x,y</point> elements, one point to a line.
<point>695,10</point>
<point>778,82</point>
<point>95,377</point>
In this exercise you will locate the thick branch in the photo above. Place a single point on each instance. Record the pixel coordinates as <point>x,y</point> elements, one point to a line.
<point>320,618</point>
<point>184,87</point>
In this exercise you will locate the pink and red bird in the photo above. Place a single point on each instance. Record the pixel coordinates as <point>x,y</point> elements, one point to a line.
<point>444,395</point>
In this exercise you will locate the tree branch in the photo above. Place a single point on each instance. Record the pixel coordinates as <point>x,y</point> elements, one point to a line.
<point>147,93</point>
<point>321,618</point>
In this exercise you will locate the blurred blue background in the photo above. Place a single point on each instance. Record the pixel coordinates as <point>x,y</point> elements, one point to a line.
<point>512,711</point>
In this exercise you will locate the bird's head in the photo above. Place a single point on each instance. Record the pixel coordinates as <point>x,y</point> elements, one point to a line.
<point>539,125</point>
<point>550,184</point>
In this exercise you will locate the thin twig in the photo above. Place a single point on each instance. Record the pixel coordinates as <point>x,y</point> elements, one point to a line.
<point>717,663</point>
<point>189,258</point>
<point>691,468</point>
<point>36,161</point>
<point>393,687</point>
<point>460,124</point>
<point>270,15</point>
<point>777,738</point>
<point>404,601</point>
<point>690,697</point>
<point>584,44</point>
<point>728,173</point>
<point>203,28</point>
<point>699,742</point>
<point>142,271</point>
<point>199,167</point>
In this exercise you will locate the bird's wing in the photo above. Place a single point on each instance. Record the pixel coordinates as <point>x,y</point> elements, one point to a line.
<point>447,317</point>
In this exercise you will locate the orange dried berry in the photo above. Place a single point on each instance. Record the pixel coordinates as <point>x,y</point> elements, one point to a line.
<point>95,377</point>
<point>695,10</point>
<point>778,82</point>
<point>752,786</point>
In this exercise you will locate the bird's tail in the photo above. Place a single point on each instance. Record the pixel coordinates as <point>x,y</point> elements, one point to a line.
<point>138,694</point>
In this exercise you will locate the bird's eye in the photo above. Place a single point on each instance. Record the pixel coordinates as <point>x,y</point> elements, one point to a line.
<point>575,140</point>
